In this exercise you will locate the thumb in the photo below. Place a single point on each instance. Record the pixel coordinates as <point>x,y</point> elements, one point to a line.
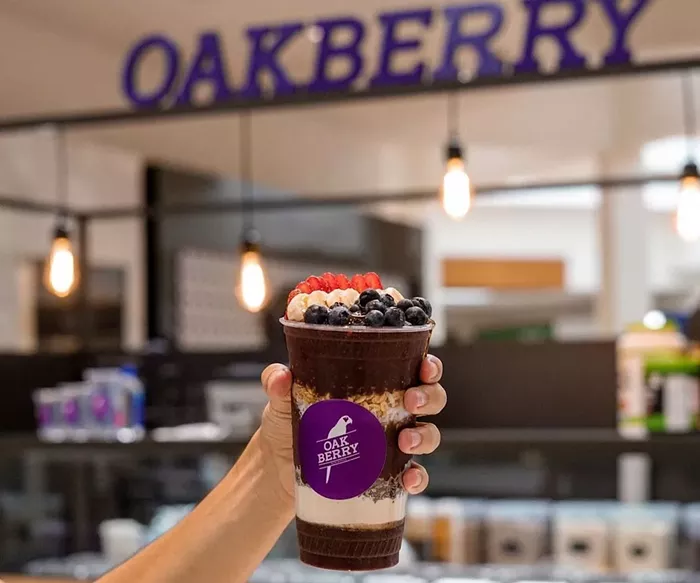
<point>277,382</point>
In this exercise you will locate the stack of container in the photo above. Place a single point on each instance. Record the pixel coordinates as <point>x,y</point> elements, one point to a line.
<point>108,405</point>
<point>582,534</point>
<point>645,536</point>
<point>517,531</point>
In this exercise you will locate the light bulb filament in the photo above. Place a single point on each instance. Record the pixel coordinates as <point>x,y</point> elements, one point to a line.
<point>61,276</point>
<point>456,189</point>
<point>688,212</point>
<point>252,285</point>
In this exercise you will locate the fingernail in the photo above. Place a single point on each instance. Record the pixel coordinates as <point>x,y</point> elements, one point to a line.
<point>415,439</point>
<point>421,398</point>
<point>419,480</point>
<point>434,368</point>
<point>275,377</point>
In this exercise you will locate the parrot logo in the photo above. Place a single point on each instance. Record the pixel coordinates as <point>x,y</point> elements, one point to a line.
<point>338,430</point>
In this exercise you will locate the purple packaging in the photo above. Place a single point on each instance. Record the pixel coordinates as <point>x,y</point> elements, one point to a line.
<point>48,413</point>
<point>74,410</point>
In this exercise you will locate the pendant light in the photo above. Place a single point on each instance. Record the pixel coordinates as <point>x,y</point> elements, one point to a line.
<point>688,211</point>
<point>251,288</point>
<point>60,268</point>
<point>456,186</point>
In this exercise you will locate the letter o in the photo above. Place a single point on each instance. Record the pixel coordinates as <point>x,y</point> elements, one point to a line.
<point>329,444</point>
<point>133,60</point>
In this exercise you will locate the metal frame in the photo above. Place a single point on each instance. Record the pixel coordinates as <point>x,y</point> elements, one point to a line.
<point>270,204</point>
<point>305,99</point>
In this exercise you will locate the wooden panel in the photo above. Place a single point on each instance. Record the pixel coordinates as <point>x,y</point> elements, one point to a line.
<point>547,385</point>
<point>503,274</point>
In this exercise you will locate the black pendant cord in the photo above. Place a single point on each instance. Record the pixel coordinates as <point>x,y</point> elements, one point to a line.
<point>689,114</point>
<point>62,184</point>
<point>454,145</point>
<point>453,118</point>
<point>246,170</point>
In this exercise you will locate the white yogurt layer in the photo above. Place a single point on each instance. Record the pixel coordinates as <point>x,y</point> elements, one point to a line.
<point>355,512</point>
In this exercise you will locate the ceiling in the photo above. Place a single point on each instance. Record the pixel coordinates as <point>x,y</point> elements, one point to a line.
<point>69,55</point>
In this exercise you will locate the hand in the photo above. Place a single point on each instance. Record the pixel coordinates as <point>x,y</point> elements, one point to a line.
<point>276,428</point>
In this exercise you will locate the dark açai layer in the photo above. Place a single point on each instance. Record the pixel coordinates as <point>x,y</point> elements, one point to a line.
<point>346,363</point>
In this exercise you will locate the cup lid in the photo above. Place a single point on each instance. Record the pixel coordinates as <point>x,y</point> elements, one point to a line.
<point>356,329</point>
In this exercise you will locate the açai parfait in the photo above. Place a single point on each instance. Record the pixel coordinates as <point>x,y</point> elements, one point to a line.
<point>336,300</point>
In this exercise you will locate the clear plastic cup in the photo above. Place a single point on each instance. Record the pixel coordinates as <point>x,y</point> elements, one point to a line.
<point>347,412</point>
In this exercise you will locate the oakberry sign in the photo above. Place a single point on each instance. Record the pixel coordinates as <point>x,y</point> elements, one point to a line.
<point>343,39</point>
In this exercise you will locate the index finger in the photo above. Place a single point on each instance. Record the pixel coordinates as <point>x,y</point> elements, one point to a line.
<point>431,370</point>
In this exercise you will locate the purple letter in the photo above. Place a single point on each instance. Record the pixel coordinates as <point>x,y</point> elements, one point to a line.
<point>133,59</point>
<point>207,65</point>
<point>391,21</point>
<point>328,51</point>
<point>266,42</point>
<point>489,64</point>
<point>619,53</point>
<point>570,59</point>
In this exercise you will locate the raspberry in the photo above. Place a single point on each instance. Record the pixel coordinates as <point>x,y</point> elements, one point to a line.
<point>358,283</point>
<point>342,281</point>
<point>304,287</point>
<point>316,283</point>
<point>372,280</point>
<point>330,280</point>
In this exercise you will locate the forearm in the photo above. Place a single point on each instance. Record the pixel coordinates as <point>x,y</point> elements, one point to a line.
<point>226,535</point>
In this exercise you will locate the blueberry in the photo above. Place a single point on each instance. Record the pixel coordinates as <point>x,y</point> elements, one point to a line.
<point>375,305</point>
<point>367,296</point>
<point>404,304</point>
<point>416,317</point>
<point>375,319</point>
<point>355,309</point>
<point>339,316</point>
<point>316,315</point>
<point>424,305</point>
<point>394,317</point>
<point>388,301</point>
<point>337,305</point>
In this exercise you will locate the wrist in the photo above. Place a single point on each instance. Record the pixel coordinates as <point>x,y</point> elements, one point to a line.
<point>260,468</point>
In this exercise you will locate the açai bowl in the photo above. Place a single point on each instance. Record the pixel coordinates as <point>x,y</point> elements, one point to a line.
<point>354,349</point>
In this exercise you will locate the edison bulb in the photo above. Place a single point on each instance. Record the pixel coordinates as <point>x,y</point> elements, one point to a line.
<point>654,320</point>
<point>688,212</point>
<point>456,189</point>
<point>252,287</point>
<point>60,272</point>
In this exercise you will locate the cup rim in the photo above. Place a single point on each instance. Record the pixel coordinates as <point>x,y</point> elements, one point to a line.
<point>357,329</point>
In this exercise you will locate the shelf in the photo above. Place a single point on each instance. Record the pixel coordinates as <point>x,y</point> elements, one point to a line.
<point>11,446</point>
<point>563,444</point>
<point>550,443</point>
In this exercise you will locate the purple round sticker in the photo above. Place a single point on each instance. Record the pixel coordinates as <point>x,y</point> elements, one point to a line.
<point>342,448</point>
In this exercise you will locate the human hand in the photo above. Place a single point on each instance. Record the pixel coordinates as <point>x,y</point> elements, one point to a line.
<point>276,429</point>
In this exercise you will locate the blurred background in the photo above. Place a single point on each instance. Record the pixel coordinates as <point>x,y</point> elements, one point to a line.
<point>549,208</point>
